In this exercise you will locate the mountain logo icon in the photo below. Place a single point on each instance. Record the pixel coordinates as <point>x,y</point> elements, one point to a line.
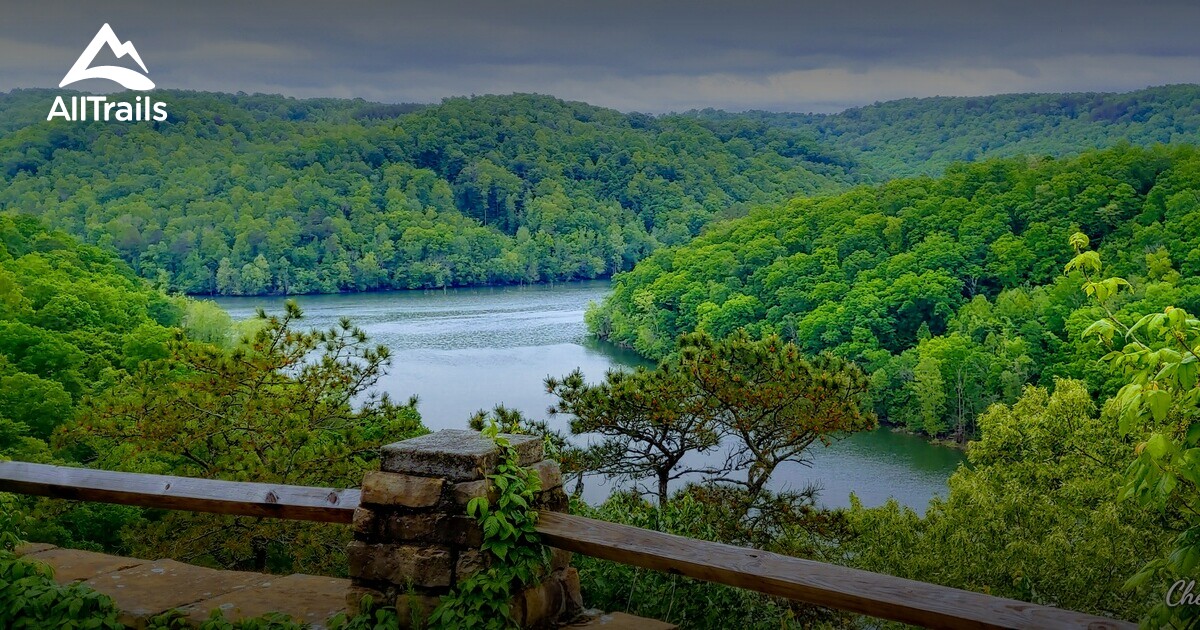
<point>130,79</point>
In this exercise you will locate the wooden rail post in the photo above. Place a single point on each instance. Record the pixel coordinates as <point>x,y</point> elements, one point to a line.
<point>413,540</point>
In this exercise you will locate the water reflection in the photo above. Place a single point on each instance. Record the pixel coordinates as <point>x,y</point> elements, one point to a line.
<point>462,350</point>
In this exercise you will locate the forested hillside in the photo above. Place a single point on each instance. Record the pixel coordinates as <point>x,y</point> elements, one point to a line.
<point>239,194</point>
<point>250,195</point>
<point>952,305</point>
<point>950,291</point>
<point>923,136</point>
<point>72,322</point>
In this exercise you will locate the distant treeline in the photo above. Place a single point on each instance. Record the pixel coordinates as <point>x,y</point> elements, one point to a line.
<point>253,194</point>
<point>923,136</point>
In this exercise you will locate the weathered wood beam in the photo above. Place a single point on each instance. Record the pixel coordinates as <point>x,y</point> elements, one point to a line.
<point>300,503</point>
<point>829,585</point>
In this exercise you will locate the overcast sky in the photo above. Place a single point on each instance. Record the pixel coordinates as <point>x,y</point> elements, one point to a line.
<point>628,54</point>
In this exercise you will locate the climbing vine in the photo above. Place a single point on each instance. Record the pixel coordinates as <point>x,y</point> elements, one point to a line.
<point>512,556</point>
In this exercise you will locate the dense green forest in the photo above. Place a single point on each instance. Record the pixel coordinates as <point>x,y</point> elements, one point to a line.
<point>1070,363</point>
<point>949,291</point>
<point>252,195</point>
<point>242,195</point>
<point>72,322</point>
<point>923,136</point>
<point>792,289</point>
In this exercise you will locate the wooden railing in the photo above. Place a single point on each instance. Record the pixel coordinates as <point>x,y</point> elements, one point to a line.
<point>297,503</point>
<point>833,586</point>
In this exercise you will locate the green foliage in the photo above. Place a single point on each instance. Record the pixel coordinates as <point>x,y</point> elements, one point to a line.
<point>12,521</point>
<point>176,620</point>
<point>930,392</point>
<point>512,421</point>
<point>265,194</point>
<point>1158,358</point>
<point>284,406</point>
<point>961,274</point>
<point>924,136</point>
<point>649,420</point>
<point>791,526</point>
<point>206,322</point>
<point>30,598</point>
<point>82,525</point>
<point>513,557</point>
<point>370,617</point>
<point>762,400</point>
<point>573,461</point>
<point>947,291</point>
<point>72,320</point>
<point>1035,516</point>
<point>773,401</point>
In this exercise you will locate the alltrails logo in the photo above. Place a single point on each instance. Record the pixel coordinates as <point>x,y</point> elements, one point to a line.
<point>142,109</point>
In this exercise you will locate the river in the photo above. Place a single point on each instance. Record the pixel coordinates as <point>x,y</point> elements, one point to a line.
<point>462,350</point>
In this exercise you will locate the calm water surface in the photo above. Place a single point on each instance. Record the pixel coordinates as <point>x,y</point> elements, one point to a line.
<point>463,350</point>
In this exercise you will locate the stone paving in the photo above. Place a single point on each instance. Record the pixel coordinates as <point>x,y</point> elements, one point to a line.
<point>622,621</point>
<point>146,588</point>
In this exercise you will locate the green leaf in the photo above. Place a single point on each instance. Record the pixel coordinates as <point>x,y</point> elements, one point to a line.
<point>1088,261</point>
<point>1101,327</point>
<point>1158,445</point>
<point>1159,403</point>
<point>1148,322</point>
<point>1185,373</point>
<point>1130,413</point>
<point>475,505</point>
<point>1078,241</point>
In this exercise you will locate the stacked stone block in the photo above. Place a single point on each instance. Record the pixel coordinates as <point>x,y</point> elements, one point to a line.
<point>413,540</point>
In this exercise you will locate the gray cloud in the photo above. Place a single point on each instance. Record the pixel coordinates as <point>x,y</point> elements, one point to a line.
<point>649,56</point>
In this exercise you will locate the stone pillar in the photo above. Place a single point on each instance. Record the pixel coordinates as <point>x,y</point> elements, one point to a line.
<point>413,540</point>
